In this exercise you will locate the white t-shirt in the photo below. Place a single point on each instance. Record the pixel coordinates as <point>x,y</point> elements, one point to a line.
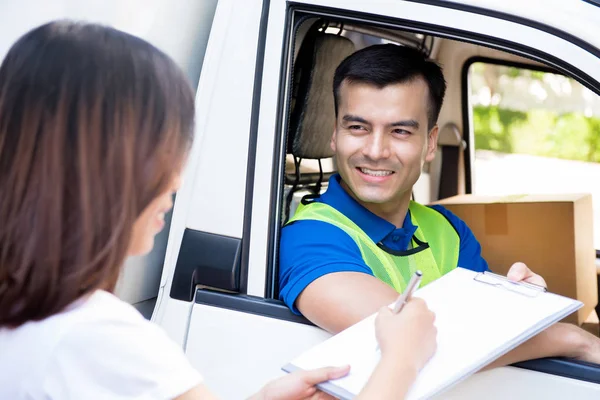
<point>99,348</point>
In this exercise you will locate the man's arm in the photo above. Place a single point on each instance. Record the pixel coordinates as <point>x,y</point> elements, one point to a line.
<point>558,340</point>
<point>310,250</point>
<point>338,300</point>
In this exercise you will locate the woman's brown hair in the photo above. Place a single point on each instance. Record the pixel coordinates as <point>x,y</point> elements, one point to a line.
<point>93,124</point>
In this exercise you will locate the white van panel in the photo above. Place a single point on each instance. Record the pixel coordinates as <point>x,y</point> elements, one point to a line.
<point>173,316</point>
<point>212,196</point>
<point>237,352</point>
<point>520,384</point>
<point>220,155</point>
<point>265,147</point>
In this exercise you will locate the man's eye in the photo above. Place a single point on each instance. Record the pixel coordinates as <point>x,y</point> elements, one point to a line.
<point>401,132</point>
<point>355,127</point>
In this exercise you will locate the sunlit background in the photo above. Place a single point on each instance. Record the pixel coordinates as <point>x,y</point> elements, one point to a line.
<point>535,132</point>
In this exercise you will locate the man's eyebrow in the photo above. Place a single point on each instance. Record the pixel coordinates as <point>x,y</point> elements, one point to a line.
<point>354,118</point>
<point>411,123</point>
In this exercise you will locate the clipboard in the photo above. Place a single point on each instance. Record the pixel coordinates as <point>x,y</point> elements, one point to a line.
<point>501,281</point>
<point>480,316</point>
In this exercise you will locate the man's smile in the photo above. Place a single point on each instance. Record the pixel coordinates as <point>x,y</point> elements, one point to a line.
<point>375,172</point>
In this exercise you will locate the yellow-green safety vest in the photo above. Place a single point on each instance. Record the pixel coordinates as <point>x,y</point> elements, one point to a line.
<point>435,244</point>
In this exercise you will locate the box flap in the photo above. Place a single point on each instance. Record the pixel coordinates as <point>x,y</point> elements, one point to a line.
<point>514,198</point>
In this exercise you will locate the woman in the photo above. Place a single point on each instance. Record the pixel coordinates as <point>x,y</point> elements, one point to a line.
<point>95,126</point>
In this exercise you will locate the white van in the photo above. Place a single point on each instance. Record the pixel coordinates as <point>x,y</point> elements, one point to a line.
<point>218,293</point>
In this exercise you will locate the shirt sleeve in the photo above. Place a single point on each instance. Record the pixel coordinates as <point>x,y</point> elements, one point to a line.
<point>118,358</point>
<point>469,256</point>
<point>310,249</point>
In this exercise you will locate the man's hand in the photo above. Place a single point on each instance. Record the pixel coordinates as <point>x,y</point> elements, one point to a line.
<point>519,272</point>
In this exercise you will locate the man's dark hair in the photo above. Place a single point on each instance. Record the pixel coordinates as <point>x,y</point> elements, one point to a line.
<point>388,64</point>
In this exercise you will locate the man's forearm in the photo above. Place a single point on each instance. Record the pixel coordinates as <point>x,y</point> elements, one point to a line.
<point>559,340</point>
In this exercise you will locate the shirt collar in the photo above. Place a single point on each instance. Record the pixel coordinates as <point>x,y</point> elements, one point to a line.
<point>374,226</point>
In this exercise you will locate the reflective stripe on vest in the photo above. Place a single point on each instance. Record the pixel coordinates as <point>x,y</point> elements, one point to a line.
<point>437,259</point>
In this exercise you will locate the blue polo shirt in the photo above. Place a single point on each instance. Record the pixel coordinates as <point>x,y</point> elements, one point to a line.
<point>310,249</point>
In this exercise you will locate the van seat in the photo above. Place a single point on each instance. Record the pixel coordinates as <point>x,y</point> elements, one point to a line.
<point>312,116</point>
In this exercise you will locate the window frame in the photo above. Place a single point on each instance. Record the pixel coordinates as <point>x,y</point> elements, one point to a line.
<point>593,2</point>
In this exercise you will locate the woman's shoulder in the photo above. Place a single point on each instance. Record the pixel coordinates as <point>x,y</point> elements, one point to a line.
<point>93,317</point>
<point>101,343</point>
<point>124,352</point>
<point>102,307</point>
<point>104,321</point>
<point>96,312</point>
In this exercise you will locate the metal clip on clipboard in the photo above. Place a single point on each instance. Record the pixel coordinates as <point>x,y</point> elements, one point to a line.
<point>523,288</point>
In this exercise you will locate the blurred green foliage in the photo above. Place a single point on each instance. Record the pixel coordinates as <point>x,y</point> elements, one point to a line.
<point>571,136</point>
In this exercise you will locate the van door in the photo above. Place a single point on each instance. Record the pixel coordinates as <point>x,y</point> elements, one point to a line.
<point>217,290</point>
<point>237,334</point>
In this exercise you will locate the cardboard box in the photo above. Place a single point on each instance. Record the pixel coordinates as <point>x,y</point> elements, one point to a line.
<point>552,234</point>
<point>591,324</point>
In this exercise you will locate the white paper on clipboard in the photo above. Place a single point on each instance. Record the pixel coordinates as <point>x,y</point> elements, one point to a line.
<point>479,317</point>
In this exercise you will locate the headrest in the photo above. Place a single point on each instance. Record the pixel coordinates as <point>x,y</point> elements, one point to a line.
<point>313,117</point>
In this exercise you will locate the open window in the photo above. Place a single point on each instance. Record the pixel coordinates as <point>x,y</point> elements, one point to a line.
<point>303,154</point>
<point>535,131</point>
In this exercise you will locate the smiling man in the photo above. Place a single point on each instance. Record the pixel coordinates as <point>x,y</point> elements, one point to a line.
<point>353,249</point>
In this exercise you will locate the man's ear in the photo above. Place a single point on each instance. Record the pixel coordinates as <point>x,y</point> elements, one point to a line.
<point>432,141</point>
<point>332,142</point>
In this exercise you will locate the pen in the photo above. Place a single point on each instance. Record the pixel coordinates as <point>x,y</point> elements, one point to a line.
<point>413,284</point>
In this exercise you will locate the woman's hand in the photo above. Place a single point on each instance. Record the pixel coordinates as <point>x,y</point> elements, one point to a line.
<point>409,335</point>
<point>301,385</point>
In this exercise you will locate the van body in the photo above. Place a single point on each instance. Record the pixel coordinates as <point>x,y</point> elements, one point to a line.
<point>218,294</point>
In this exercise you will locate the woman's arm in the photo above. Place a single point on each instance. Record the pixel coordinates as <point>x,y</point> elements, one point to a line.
<point>407,341</point>
<point>197,393</point>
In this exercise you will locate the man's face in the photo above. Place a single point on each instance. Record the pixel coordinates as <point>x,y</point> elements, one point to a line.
<point>381,140</point>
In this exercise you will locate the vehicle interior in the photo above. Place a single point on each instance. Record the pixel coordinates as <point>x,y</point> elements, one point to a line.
<point>509,126</point>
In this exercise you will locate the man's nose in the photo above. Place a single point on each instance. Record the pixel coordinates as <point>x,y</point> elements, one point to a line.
<point>377,146</point>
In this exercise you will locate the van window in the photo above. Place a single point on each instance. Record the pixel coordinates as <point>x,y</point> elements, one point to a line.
<point>534,132</point>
